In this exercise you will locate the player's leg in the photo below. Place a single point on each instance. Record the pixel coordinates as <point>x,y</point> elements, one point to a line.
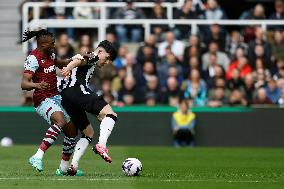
<point>81,146</point>
<point>81,122</point>
<point>108,118</point>
<point>69,142</point>
<point>52,112</point>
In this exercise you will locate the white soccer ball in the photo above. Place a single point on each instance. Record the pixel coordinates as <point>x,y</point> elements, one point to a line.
<point>6,142</point>
<point>131,167</point>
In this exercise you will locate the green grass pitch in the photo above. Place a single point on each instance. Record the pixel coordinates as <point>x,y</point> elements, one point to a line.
<point>163,167</point>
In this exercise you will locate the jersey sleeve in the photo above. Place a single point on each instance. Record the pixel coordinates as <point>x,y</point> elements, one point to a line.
<point>92,59</point>
<point>31,64</point>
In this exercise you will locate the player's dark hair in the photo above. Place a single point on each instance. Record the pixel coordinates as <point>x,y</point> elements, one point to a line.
<point>109,47</point>
<point>27,35</point>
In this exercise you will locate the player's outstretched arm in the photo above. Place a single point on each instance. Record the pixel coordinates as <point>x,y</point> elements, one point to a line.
<point>28,84</point>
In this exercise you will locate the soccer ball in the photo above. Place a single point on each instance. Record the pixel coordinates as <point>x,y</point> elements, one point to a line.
<point>6,142</point>
<point>131,167</point>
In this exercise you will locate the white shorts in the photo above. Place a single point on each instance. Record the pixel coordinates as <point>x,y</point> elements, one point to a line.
<point>49,106</point>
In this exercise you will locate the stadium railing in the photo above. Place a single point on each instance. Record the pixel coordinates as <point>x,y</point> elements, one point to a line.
<point>102,23</point>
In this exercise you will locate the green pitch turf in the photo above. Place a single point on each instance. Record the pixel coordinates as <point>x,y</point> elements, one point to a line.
<point>163,167</point>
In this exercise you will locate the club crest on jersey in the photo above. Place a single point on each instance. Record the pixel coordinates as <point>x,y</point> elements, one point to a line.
<point>43,61</point>
<point>49,69</point>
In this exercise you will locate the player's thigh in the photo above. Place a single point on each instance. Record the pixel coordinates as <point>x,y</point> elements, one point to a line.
<point>77,114</point>
<point>52,111</point>
<point>93,103</point>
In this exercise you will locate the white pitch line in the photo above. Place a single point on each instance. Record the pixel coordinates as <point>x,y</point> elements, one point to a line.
<point>122,179</point>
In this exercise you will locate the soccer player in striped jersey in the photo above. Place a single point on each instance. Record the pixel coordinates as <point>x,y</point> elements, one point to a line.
<point>77,99</point>
<point>40,75</point>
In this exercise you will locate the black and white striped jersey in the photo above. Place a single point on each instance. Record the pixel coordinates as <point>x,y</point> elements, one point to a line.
<point>80,75</point>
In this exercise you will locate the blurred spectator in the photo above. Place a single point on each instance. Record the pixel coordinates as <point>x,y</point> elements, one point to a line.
<point>158,30</point>
<point>176,46</point>
<point>146,54</point>
<point>218,98</point>
<point>237,98</point>
<point>278,14</point>
<point>83,12</point>
<point>107,92</point>
<point>261,97</point>
<point>195,89</point>
<point>193,63</point>
<point>117,82</point>
<point>85,41</point>
<point>216,73</point>
<point>135,31</point>
<point>272,91</point>
<point>147,51</point>
<point>222,58</point>
<point>215,34</point>
<point>235,42</point>
<point>58,12</point>
<point>130,94</point>
<point>185,12</point>
<point>172,93</point>
<point>112,38</point>
<point>210,71</point>
<point>259,48</point>
<point>194,48</point>
<point>277,46</point>
<point>280,69</point>
<point>235,82</point>
<point>249,88</point>
<point>241,63</point>
<point>214,11</point>
<point>183,125</point>
<point>120,60</point>
<point>63,48</point>
<point>153,92</point>
<point>148,70</point>
<point>169,63</point>
<point>134,70</point>
<point>257,13</point>
<point>261,78</point>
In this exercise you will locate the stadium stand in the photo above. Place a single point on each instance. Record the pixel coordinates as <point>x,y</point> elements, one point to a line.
<point>224,54</point>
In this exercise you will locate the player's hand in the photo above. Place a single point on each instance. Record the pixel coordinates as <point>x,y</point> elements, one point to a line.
<point>42,85</point>
<point>65,72</point>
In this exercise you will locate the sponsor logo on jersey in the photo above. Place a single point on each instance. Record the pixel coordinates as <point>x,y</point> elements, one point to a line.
<point>49,69</point>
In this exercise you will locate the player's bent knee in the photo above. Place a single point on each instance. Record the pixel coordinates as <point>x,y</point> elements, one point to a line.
<point>112,116</point>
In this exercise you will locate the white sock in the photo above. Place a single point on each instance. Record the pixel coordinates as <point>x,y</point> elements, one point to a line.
<point>64,165</point>
<point>39,154</point>
<point>80,148</point>
<point>106,127</point>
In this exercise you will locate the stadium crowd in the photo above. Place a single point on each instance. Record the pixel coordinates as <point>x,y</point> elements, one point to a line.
<point>216,67</point>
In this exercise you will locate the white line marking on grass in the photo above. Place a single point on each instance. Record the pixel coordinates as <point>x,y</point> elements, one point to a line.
<point>152,180</point>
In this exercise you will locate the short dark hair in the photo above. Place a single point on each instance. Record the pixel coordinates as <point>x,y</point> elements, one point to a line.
<point>27,35</point>
<point>109,47</point>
